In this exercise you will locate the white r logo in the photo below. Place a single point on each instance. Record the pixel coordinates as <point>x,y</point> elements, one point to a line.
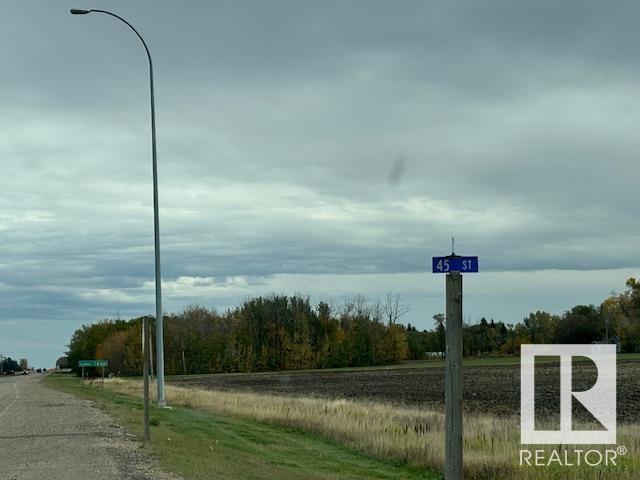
<point>600,400</point>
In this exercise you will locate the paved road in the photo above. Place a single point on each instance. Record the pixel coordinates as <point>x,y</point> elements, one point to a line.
<point>46,434</point>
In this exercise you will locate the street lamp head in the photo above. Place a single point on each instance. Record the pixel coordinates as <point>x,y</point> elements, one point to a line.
<point>78,11</point>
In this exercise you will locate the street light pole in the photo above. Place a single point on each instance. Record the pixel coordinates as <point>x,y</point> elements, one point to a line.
<point>162,402</point>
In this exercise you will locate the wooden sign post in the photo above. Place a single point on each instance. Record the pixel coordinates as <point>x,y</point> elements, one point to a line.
<point>453,379</point>
<point>453,265</point>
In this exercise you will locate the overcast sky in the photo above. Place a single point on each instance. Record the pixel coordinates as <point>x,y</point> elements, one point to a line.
<point>326,148</point>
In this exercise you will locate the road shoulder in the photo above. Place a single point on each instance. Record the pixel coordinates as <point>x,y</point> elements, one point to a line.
<point>56,435</point>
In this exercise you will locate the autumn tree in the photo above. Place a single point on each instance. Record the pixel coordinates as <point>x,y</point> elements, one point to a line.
<point>114,350</point>
<point>541,327</point>
<point>581,324</point>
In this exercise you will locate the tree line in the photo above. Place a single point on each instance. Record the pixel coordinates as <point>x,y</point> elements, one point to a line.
<point>265,333</point>
<point>616,318</point>
<point>288,332</point>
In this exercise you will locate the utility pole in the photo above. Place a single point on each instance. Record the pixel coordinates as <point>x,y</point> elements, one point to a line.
<point>149,343</point>
<point>145,375</point>
<point>512,332</point>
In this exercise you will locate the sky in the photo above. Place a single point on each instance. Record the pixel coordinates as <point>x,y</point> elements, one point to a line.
<point>324,148</point>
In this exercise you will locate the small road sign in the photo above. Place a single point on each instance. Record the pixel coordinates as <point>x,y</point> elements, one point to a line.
<point>93,363</point>
<point>454,263</point>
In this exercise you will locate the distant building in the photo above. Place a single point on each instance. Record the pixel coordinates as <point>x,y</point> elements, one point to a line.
<point>434,354</point>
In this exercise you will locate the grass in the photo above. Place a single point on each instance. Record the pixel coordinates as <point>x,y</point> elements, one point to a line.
<point>205,444</point>
<point>410,435</point>
<point>400,435</point>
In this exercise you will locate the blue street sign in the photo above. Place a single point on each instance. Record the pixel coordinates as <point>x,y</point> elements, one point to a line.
<point>455,264</point>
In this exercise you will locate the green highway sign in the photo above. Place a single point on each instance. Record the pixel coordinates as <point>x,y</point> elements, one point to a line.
<point>93,363</point>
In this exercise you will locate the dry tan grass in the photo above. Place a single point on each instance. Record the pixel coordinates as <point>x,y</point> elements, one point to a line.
<point>413,435</point>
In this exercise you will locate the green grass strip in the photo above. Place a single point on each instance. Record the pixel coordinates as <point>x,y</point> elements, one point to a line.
<point>204,445</point>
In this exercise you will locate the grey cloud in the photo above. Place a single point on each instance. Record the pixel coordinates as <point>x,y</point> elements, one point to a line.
<point>280,125</point>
